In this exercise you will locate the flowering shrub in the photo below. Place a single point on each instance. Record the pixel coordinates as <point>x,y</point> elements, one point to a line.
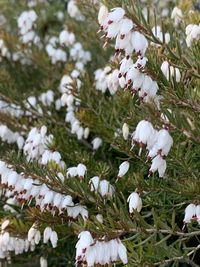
<point>99,132</point>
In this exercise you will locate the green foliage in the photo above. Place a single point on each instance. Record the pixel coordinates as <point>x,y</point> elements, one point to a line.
<point>154,237</point>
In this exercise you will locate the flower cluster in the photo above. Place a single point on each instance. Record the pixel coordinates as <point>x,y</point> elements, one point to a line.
<point>103,187</point>
<point>47,98</point>
<point>79,170</point>
<point>193,34</point>
<point>34,236</point>
<point>158,144</point>
<point>26,188</point>
<point>170,71</point>
<point>91,251</point>
<point>12,244</point>
<point>36,147</point>
<point>26,23</point>
<point>4,52</point>
<point>66,38</point>
<point>72,103</point>
<point>128,40</point>
<point>55,54</point>
<point>74,11</point>
<point>11,137</point>
<point>162,37</point>
<point>11,109</point>
<point>192,212</point>
<point>107,79</point>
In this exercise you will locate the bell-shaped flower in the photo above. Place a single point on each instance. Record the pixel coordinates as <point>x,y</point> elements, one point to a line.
<point>81,170</point>
<point>102,15</point>
<point>125,64</point>
<point>37,237</point>
<point>190,213</point>
<point>115,15</point>
<point>177,15</point>
<point>122,252</point>
<point>126,25</point>
<point>54,239</point>
<point>96,143</point>
<point>158,164</point>
<point>94,183</point>
<point>43,262</point>
<point>198,213</point>
<point>139,43</point>
<point>143,133</point>
<point>31,233</point>
<point>123,168</point>
<point>47,234</point>
<point>164,142</point>
<point>72,172</point>
<point>135,202</point>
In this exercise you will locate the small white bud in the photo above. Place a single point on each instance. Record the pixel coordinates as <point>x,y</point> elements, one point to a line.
<point>125,131</point>
<point>123,168</point>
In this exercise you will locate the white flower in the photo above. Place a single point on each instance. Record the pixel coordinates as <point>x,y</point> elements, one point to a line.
<point>66,38</point>
<point>57,200</point>
<point>160,35</point>
<point>80,133</point>
<point>125,64</point>
<point>193,33</point>
<point>190,212</point>
<point>132,74</point>
<point>141,62</point>
<point>125,131</point>
<point>86,132</point>
<point>139,43</point>
<point>5,224</point>
<point>99,218</point>
<point>165,69</point>
<point>43,262</point>
<point>85,240</point>
<point>106,189</point>
<point>115,15</point>
<point>5,238</point>
<point>48,198</point>
<point>122,252</point>
<point>66,201</point>
<point>72,172</point>
<point>158,164</point>
<point>81,170</point>
<point>12,179</point>
<point>96,142</point>
<point>54,239</point>
<point>198,213</point>
<point>123,168</point>
<point>46,235</point>
<point>31,233</point>
<point>177,15</point>
<point>164,142</point>
<point>143,134</point>
<point>135,202</point>
<point>37,237</point>
<point>126,26</point>
<point>94,183</point>
<point>170,71</point>
<point>102,15</point>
